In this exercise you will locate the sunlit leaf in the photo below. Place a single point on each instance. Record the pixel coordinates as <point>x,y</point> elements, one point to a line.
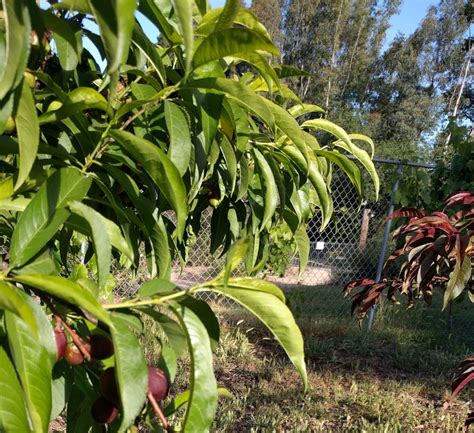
<point>13,416</point>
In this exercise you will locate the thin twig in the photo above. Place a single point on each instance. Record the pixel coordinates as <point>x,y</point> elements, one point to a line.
<point>158,411</point>
<point>77,340</point>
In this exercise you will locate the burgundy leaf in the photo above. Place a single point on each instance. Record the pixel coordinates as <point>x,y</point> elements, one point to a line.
<point>406,212</point>
<point>464,198</point>
<point>460,384</point>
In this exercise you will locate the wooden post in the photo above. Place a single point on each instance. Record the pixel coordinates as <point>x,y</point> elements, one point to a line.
<point>364,229</point>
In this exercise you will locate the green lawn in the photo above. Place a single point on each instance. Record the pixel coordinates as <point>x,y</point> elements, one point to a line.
<point>395,378</point>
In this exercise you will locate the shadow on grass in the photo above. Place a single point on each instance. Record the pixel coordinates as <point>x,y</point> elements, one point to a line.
<point>421,345</point>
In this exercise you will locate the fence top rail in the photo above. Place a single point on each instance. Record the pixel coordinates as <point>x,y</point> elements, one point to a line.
<point>399,163</point>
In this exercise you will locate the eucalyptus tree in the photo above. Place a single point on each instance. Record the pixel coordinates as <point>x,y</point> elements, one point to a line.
<point>128,157</point>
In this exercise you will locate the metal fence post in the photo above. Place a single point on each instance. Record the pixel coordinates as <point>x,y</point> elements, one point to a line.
<point>384,245</point>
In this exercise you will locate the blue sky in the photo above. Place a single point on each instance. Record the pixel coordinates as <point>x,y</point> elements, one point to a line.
<point>411,13</point>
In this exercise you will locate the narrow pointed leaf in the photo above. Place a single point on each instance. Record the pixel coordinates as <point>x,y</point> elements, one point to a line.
<point>130,370</point>
<point>27,127</point>
<point>154,14</point>
<point>17,30</point>
<point>12,300</point>
<point>100,239</point>
<point>230,42</point>
<point>67,290</point>
<point>269,186</point>
<point>162,171</point>
<point>116,21</point>
<point>303,246</point>
<point>13,416</point>
<point>240,93</point>
<point>65,39</point>
<point>34,369</point>
<point>275,315</point>
<point>180,140</point>
<point>458,279</point>
<point>184,13</point>
<point>46,213</point>
<point>203,387</point>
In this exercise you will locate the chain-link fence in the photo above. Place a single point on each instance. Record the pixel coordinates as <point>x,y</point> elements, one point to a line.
<point>351,247</point>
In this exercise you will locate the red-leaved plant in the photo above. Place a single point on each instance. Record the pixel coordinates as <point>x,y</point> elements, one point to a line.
<point>436,251</point>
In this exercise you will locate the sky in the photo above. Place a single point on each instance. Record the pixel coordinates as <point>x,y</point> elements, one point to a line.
<point>411,13</point>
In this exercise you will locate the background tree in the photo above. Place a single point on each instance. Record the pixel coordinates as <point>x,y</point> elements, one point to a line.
<point>400,96</point>
<point>269,13</point>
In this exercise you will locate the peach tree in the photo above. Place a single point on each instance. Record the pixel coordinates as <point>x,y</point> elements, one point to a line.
<point>112,145</point>
<point>435,252</point>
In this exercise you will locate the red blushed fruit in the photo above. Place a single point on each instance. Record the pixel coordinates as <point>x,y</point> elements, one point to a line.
<point>158,383</point>
<point>108,386</point>
<point>101,346</point>
<point>61,343</point>
<point>73,355</point>
<point>103,411</point>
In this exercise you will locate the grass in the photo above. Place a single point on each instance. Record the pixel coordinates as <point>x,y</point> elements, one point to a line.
<point>395,378</point>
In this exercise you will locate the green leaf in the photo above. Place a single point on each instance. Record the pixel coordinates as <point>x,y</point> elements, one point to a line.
<point>368,140</point>
<point>227,16</point>
<point>130,369</point>
<point>17,30</point>
<point>230,42</point>
<point>346,165</point>
<point>240,93</point>
<point>235,257</point>
<point>151,10</point>
<point>246,283</point>
<point>67,290</point>
<point>163,172</point>
<point>61,389</point>
<point>202,6</point>
<point>303,245</point>
<point>231,163</point>
<point>6,108</point>
<point>259,62</point>
<point>13,416</point>
<point>243,18</point>
<point>81,6</point>
<point>273,313</point>
<point>100,238</point>
<point>321,187</point>
<point>27,127</point>
<point>65,39</point>
<point>157,286</point>
<point>174,333</point>
<point>180,146</point>
<point>345,143</point>
<point>183,398</point>
<point>116,21</point>
<point>458,280</point>
<point>269,186</point>
<point>150,51</point>
<point>286,71</point>
<point>154,226</point>
<point>44,263</point>
<point>79,99</point>
<point>34,368</point>
<point>203,387</point>
<point>13,300</point>
<point>210,106</point>
<point>46,213</point>
<point>113,230</point>
<point>184,14</point>
<point>301,109</point>
<point>206,316</point>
